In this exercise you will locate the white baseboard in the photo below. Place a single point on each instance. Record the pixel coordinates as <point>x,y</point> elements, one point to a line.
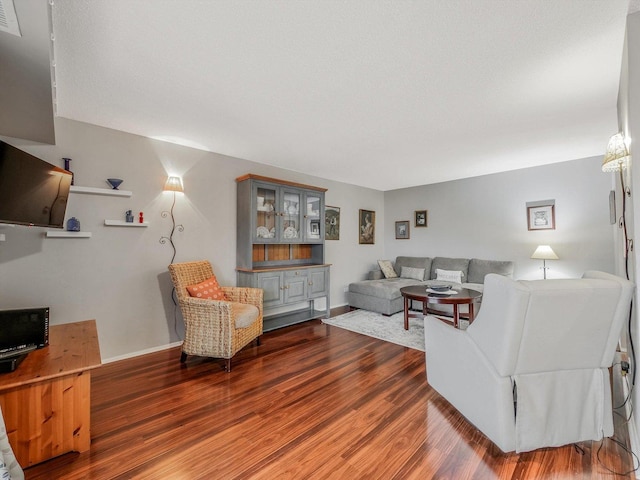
<point>634,440</point>
<point>142,352</point>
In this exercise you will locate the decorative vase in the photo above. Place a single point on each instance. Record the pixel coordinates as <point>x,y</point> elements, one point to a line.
<point>114,182</point>
<point>129,216</point>
<point>73,225</point>
<point>67,161</point>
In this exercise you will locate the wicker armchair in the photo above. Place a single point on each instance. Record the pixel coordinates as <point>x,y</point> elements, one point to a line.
<point>210,325</point>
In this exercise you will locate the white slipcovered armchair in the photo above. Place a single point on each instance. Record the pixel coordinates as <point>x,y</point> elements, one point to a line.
<point>9,467</point>
<point>532,370</point>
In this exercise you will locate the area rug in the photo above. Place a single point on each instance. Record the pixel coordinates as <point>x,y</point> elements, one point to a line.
<point>390,329</point>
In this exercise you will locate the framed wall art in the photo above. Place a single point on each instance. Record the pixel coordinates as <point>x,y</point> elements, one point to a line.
<point>402,230</point>
<point>421,218</point>
<point>541,217</point>
<point>367,227</point>
<point>331,223</point>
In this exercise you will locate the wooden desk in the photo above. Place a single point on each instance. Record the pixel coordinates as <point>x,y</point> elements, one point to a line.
<point>46,401</point>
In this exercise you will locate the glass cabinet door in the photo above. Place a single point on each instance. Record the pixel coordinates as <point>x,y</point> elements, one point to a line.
<point>291,214</point>
<point>312,223</point>
<point>266,204</point>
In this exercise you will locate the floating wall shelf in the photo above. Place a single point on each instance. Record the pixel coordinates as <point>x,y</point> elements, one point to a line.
<point>65,234</point>
<point>101,191</point>
<point>122,223</point>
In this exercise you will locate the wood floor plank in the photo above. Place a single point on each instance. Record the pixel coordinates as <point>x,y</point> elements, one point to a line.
<point>312,402</point>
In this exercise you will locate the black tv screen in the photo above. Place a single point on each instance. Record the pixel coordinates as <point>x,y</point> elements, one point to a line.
<point>23,328</point>
<point>32,191</point>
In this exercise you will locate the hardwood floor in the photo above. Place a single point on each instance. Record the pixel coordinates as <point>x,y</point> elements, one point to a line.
<point>312,402</point>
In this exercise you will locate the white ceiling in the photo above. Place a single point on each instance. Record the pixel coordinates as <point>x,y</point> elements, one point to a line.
<point>382,94</point>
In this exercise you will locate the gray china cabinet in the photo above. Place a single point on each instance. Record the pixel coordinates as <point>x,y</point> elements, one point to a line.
<point>280,247</point>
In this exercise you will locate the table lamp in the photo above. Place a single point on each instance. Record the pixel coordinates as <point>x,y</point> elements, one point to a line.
<point>544,253</point>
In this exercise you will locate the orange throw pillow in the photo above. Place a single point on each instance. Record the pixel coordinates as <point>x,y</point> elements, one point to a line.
<point>209,289</point>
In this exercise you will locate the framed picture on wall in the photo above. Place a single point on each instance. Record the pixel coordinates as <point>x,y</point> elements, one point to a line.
<point>331,223</point>
<point>367,227</point>
<point>402,230</point>
<point>421,218</point>
<point>541,217</point>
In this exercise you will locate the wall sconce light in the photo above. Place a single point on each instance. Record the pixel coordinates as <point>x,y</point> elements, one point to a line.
<point>544,253</point>
<point>616,159</point>
<point>617,155</point>
<point>174,184</point>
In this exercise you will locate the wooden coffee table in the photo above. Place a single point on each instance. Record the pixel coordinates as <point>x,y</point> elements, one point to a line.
<point>419,293</point>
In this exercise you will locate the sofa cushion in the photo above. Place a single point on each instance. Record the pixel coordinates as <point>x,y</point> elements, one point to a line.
<point>387,268</point>
<point>454,276</point>
<point>430,283</point>
<point>412,272</point>
<point>415,262</point>
<point>387,288</point>
<point>445,263</point>
<point>478,287</point>
<point>245,314</point>
<point>479,268</point>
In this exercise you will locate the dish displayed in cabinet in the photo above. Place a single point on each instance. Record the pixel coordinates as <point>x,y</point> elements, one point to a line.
<point>290,232</point>
<point>263,232</point>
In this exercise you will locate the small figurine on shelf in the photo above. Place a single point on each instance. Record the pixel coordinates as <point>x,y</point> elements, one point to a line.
<point>129,216</point>
<point>141,217</point>
<point>73,225</point>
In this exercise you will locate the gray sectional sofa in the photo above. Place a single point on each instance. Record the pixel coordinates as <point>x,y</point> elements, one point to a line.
<point>382,295</point>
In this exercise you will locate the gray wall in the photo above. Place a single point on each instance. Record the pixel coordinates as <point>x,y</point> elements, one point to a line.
<point>119,276</point>
<point>485,217</point>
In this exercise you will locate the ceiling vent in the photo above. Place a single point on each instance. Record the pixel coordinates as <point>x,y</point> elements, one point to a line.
<point>8,18</point>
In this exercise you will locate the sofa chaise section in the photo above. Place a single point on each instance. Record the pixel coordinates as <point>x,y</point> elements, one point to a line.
<point>382,295</point>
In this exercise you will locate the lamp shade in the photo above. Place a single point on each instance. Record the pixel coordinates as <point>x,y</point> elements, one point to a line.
<point>544,252</point>
<point>617,154</point>
<point>174,184</point>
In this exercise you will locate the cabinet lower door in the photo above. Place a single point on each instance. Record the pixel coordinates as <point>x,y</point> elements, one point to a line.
<point>295,287</point>
<point>273,288</point>
<point>318,282</point>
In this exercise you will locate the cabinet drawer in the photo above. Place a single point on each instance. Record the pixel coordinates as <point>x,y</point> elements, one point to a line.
<point>295,286</point>
<point>295,273</point>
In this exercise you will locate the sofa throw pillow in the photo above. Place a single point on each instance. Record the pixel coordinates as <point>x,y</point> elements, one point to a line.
<point>209,289</point>
<point>454,276</point>
<point>412,272</point>
<point>387,268</point>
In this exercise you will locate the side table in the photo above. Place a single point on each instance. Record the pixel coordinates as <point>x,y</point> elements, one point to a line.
<point>46,401</point>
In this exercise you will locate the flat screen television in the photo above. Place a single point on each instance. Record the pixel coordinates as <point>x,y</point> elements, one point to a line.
<point>32,191</point>
<point>22,330</point>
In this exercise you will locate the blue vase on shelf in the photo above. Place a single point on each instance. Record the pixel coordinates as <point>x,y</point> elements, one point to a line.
<point>73,225</point>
